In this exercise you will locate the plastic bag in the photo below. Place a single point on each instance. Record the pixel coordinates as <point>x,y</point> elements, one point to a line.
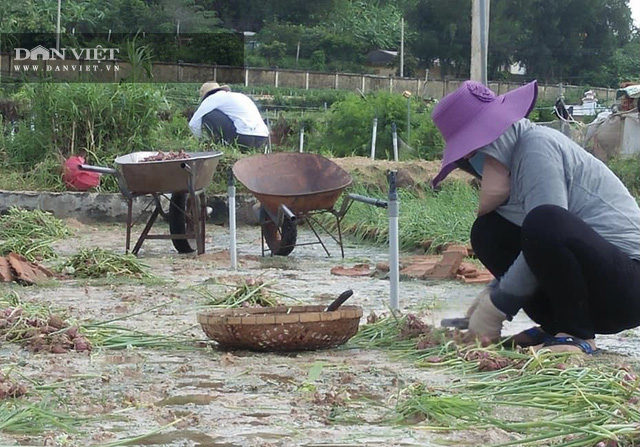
<point>75,178</point>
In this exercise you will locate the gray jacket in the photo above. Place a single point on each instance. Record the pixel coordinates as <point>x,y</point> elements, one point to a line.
<point>548,168</point>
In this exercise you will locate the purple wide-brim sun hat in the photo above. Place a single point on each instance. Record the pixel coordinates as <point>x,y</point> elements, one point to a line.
<point>473,116</point>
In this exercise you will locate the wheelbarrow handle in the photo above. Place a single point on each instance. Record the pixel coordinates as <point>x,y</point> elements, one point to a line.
<point>369,200</point>
<point>344,296</point>
<point>99,169</point>
<point>457,323</point>
<point>122,184</point>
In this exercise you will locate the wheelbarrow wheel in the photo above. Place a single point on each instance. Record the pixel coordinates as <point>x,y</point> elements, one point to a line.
<point>281,241</point>
<point>180,221</point>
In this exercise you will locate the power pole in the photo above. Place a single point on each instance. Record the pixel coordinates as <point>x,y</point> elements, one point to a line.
<point>402,47</point>
<point>479,40</point>
<point>58,26</point>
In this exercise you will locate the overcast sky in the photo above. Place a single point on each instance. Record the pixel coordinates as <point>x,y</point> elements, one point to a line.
<point>635,11</point>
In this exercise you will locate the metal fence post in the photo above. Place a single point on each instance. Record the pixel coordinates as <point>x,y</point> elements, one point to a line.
<point>394,263</point>
<point>231,192</point>
<point>373,138</point>
<point>394,136</point>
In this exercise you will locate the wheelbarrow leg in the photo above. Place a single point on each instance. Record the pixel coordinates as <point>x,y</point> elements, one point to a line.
<point>147,228</point>
<point>203,218</point>
<point>198,211</point>
<point>319,238</point>
<point>129,225</point>
<point>339,215</point>
<point>338,220</point>
<point>198,221</point>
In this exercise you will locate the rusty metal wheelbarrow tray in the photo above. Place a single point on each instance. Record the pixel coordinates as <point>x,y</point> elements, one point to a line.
<point>302,182</point>
<point>290,185</point>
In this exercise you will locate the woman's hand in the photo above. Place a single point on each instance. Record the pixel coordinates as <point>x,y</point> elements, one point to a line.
<point>485,319</point>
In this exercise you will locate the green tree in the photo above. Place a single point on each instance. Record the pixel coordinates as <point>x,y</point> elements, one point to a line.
<point>443,34</point>
<point>570,40</point>
<point>574,41</point>
<point>371,24</point>
<point>287,33</point>
<point>186,16</point>
<point>318,60</point>
<point>250,15</point>
<point>41,16</point>
<point>350,123</point>
<point>273,52</point>
<point>625,63</point>
<point>126,16</point>
<point>504,26</point>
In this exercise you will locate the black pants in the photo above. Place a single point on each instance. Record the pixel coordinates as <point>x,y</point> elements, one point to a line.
<point>221,129</point>
<point>586,284</point>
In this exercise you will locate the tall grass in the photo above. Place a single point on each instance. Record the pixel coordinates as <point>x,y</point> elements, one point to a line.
<point>439,217</point>
<point>628,170</point>
<point>100,120</point>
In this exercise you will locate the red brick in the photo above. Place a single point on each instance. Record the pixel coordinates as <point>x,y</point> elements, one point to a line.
<point>5,271</point>
<point>420,269</point>
<point>456,247</point>
<point>27,272</point>
<point>448,265</point>
<point>356,270</point>
<point>468,270</point>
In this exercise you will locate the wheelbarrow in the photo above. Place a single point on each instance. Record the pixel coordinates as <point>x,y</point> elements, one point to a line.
<point>292,188</point>
<point>183,178</point>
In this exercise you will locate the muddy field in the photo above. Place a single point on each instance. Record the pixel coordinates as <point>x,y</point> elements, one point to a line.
<point>205,397</point>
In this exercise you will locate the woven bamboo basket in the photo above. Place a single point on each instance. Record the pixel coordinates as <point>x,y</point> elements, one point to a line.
<point>295,328</point>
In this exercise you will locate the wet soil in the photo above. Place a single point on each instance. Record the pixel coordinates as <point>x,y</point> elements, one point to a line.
<point>227,399</point>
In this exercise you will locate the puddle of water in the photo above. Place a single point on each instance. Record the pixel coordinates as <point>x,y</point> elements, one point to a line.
<point>270,377</point>
<point>266,435</point>
<point>196,399</point>
<point>199,439</point>
<point>196,376</point>
<point>368,395</point>
<point>122,359</point>
<point>202,384</point>
<point>258,415</point>
<point>166,362</point>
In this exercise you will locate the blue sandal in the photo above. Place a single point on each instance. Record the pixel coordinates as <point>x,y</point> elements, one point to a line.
<point>572,341</point>
<point>535,336</point>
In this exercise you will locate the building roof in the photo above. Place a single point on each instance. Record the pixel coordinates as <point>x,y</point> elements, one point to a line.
<point>380,57</point>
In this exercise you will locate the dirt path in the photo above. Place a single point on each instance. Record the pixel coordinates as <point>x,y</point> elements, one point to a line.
<point>240,398</point>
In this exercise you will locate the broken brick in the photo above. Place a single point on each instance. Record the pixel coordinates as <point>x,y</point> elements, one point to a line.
<point>5,271</point>
<point>420,269</point>
<point>448,265</point>
<point>457,247</point>
<point>468,270</point>
<point>356,270</point>
<point>26,271</point>
<point>482,278</point>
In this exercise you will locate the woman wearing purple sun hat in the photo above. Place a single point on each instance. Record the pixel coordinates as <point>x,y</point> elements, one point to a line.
<point>558,230</point>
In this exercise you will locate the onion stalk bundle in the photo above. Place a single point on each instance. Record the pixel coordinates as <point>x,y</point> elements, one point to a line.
<point>100,263</point>
<point>18,416</point>
<point>30,233</point>
<point>247,293</point>
<point>36,327</point>
<point>540,398</point>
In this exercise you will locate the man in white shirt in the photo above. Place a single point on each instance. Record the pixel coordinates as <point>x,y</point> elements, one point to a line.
<point>228,117</point>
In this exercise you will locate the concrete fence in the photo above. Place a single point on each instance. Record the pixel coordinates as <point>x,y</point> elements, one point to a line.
<point>249,76</point>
